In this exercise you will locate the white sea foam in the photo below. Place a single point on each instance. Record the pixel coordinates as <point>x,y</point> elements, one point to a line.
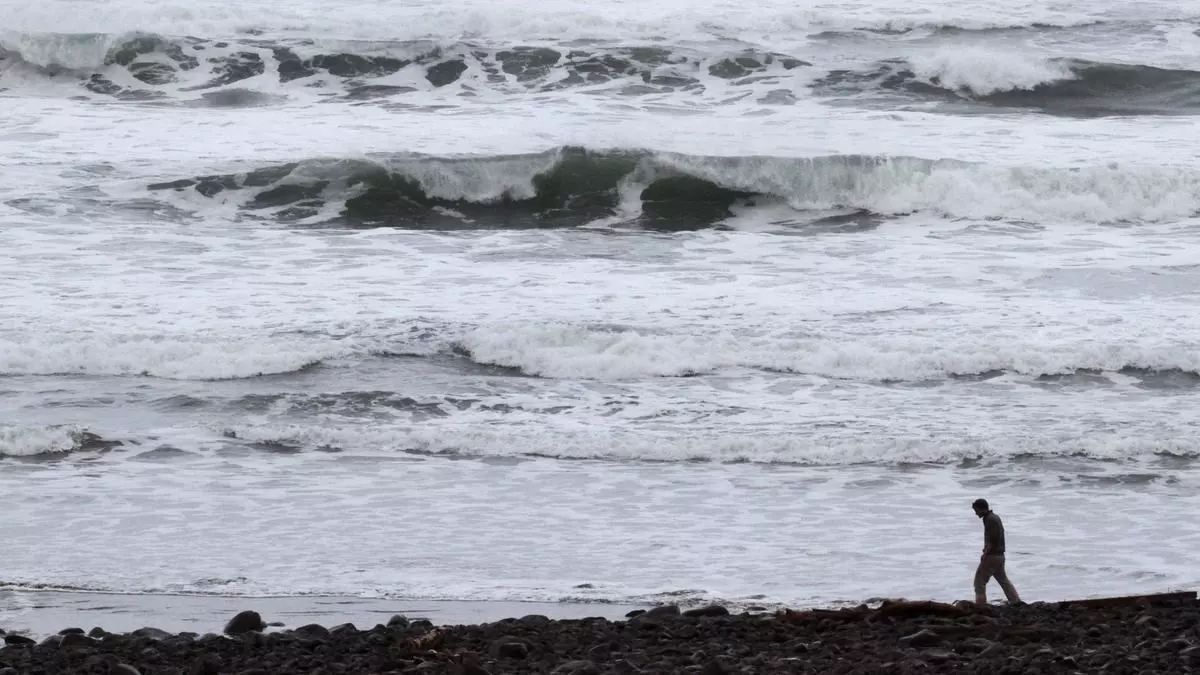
<point>986,71</point>
<point>18,440</point>
<point>167,356</point>
<point>818,354</point>
<point>571,351</point>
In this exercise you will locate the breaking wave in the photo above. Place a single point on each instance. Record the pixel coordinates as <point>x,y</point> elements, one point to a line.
<point>1056,86</point>
<point>33,441</point>
<point>150,67</point>
<point>587,352</point>
<point>487,441</point>
<point>574,186</point>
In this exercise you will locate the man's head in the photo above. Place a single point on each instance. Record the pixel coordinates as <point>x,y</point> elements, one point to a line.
<point>981,507</point>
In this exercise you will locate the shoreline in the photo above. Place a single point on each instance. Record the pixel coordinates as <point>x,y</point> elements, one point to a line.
<point>1147,633</point>
<point>43,612</point>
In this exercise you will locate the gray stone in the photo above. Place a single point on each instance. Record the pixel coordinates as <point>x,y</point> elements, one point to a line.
<point>19,640</point>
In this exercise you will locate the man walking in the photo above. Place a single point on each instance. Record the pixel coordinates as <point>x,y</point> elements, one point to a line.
<point>991,563</point>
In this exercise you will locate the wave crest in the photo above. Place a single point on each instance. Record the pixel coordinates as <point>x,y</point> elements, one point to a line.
<point>1070,87</point>
<point>573,186</point>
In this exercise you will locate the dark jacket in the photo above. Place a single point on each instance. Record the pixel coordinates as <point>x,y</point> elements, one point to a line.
<point>993,534</point>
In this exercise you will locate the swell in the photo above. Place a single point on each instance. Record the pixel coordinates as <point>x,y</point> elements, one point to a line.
<point>146,67</point>
<point>573,186</point>
<point>1068,87</point>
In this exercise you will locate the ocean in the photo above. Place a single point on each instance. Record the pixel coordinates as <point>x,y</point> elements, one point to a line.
<point>604,302</point>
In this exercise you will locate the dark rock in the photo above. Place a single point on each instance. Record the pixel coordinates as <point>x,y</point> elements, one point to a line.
<point>67,631</point>
<point>446,72</point>
<point>713,668</point>
<point>711,610</point>
<point>124,669</point>
<point>635,613</point>
<point>343,629</point>
<point>206,664</point>
<point>314,631</point>
<point>98,633</point>
<point>921,639</point>
<point>233,68</point>
<point>399,620</point>
<point>51,642</point>
<point>976,645</point>
<point>536,619</point>
<point>76,640</point>
<point>244,622</point>
<point>662,611</point>
<point>150,633</point>
<point>600,653</point>
<point>19,640</point>
<point>509,648</point>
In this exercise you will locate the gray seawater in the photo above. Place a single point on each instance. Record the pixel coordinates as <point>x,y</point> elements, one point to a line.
<point>517,303</point>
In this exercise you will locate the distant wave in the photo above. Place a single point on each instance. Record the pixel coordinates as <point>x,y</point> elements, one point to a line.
<point>150,67</point>
<point>1057,86</point>
<point>797,448</point>
<point>589,352</point>
<point>574,186</point>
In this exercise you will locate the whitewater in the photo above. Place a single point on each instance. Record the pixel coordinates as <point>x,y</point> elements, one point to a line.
<point>615,303</point>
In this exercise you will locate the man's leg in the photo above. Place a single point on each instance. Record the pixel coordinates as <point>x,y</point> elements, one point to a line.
<point>1001,575</point>
<point>982,574</point>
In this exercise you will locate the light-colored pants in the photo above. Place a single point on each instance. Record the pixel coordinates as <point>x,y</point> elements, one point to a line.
<point>993,566</point>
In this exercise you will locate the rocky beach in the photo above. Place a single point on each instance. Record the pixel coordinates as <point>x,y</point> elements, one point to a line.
<point>1149,634</point>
